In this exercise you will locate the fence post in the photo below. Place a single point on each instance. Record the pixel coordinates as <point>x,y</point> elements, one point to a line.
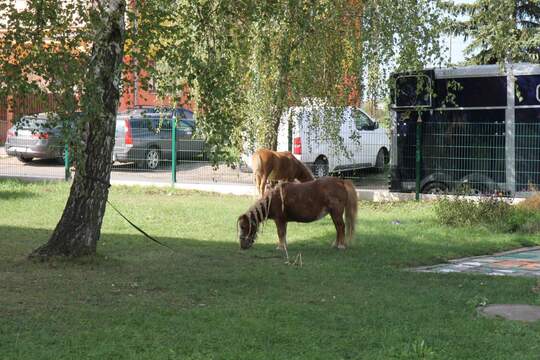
<point>173,150</point>
<point>418,154</point>
<point>67,172</point>
<point>510,131</point>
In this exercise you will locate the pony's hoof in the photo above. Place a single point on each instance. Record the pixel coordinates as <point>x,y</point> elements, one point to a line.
<point>341,247</point>
<point>280,247</point>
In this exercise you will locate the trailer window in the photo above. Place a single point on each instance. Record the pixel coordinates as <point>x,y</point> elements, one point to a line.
<point>412,91</point>
<point>527,90</point>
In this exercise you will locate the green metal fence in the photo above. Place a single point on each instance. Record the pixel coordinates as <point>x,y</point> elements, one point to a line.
<point>452,156</point>
<point>463,157</point>
<point>468,158</point>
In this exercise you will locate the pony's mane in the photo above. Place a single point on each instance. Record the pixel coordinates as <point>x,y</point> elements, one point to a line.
<point>258,212</point>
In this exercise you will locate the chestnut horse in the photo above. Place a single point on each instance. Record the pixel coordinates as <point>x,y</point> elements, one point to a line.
<point>273,166</point>
<point>302,202</point>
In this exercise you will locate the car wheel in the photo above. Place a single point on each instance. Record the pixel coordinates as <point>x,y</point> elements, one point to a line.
<point>473,190</point>
<point>152,158</point>
<point>435,188</point>
<point>320,168</point>
<point>24,159</point>
<point>381,160</point>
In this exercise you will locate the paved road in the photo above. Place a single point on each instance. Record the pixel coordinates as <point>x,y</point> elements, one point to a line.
<point>187,172</point>
<point>191,172</point>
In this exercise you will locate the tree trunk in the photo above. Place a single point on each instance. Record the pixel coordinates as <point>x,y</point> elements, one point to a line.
<point>280,100</point>
<point>276,120</point>
<point>79,228</point>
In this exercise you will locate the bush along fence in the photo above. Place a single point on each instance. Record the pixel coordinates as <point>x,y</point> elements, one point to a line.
<point>484,141</point>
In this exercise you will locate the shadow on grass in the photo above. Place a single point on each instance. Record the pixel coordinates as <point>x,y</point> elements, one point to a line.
<point>17,194</point>
<point>372,246</point>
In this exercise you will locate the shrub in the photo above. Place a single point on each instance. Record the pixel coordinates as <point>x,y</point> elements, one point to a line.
<point>532,203</point>
<point>465,212</point>
<point>492,212</point>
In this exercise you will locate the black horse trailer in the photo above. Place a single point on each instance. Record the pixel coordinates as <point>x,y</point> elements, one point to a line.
<point>473,130</point>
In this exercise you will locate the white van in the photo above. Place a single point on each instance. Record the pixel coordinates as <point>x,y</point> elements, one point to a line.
<point>310,133</point>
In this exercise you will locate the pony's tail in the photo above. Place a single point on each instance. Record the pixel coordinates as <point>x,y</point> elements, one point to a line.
<point>350,211</point>
<point>256,163</point>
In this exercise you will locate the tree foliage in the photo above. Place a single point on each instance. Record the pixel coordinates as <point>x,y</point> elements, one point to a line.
<point>44,51</point>
<point>246,62</point>
<point>500,31</point>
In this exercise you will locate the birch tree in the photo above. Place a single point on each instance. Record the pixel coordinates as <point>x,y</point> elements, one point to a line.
<point>73,50</point>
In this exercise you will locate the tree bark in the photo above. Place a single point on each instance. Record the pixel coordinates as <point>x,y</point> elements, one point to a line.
<point>280,100</point>
<point>79,228</point>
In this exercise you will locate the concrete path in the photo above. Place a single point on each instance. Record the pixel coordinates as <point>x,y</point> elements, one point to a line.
<point>520,262</point>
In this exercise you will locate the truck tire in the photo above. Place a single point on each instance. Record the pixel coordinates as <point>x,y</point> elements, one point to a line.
<point>320,167</point>
<point>435,188</point>
<point>380,160</point>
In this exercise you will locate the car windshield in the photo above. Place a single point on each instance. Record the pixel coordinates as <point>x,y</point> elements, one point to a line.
<point>186,125</point>
<point>153,112</point>
<point>186,114</point>
<point>361,120</point>
<point>32,123</point>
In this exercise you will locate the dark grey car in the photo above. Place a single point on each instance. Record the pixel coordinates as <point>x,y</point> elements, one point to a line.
<point>32,137</point>
<point>145,138</point>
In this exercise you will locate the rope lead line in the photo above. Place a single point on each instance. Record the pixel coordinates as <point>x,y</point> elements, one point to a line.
<point>138,228</point>
<point>106,183</point>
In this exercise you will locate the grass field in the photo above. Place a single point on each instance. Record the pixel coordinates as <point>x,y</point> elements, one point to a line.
<point>210,300</point>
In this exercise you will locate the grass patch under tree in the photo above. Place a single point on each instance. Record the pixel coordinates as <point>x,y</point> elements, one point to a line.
<point>210,300</point>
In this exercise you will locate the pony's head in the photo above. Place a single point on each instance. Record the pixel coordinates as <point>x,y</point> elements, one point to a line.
<point>247,231</point>
<point>304,174</point>
<point>248,223</point>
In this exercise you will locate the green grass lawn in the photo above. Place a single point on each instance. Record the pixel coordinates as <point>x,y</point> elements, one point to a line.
<point>211,300</point>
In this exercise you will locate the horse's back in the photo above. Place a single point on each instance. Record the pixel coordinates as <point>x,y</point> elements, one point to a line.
<point>322,189</point>
<point>280,163</point>
<point>309,201</point>
<point>268,154</point>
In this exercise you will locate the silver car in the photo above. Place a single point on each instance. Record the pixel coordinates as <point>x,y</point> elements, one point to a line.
<point>32,138</point>
<point>145,138</point>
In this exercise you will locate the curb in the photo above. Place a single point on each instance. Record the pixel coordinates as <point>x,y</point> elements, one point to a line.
<point>372,195</point>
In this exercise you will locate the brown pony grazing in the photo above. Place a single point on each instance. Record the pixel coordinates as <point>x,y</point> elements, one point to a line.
<point>302,202</point>
<point>273,166</point>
